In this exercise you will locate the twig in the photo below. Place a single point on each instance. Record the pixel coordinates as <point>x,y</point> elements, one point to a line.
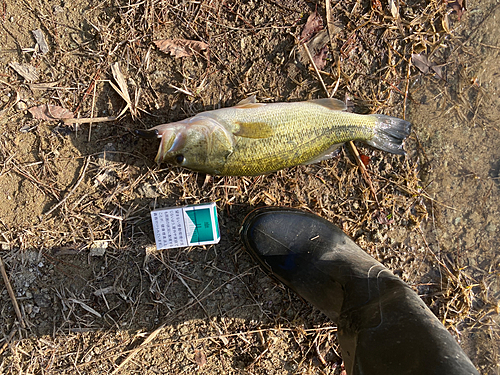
<point>85,307</point>
<point>441,263</point>
<point>11,293</point>
<point>136,350</point>
<point>407,88</point>
<point>489,46</point>
<point>88,120</point>
<point>364,172</point>
<point>257,359</point>
<point>316,69</point>
<point>72,190</point>
<point>191,292</point>
<point>331,32</point>
<point>338,79</point>
<point>89,89</point>
<point>92,112</point>
<point>182,90</point>
<point>320,356</point>
<point>8,339</point>
<point>329,22</point>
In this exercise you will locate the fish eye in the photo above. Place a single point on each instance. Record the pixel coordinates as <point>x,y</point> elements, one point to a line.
<point>179,158</point>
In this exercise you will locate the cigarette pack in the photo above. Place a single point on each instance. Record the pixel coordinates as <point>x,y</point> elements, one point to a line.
<point>186,226</point>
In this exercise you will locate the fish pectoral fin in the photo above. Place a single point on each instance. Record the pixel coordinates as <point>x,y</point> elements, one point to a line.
<point>251,99</point>
<point>332,152</point>
<point>257,130</point>
<point>330,103</point>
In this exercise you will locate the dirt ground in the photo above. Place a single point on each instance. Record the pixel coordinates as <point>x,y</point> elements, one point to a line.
<point>94,294</point>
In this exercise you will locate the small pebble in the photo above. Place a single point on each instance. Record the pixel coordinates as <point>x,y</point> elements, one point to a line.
<point>57,9</point>
<point>491,227</point>
<point>21,106</point>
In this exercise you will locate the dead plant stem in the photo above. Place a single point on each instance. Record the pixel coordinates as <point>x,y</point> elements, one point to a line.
<point>11,293</point>
<point>144,344</point>
<point>82,175</point>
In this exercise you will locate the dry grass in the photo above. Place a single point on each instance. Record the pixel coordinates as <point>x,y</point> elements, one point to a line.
<point>81,186</point>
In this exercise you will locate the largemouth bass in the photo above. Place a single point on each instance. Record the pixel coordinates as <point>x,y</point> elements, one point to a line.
<point>257,138</point>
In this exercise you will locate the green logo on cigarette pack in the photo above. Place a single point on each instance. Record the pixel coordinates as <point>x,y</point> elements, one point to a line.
<point>202,221</point>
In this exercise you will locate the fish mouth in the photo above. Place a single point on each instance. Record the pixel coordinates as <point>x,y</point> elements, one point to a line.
<point>171,142</point>
<point>147,134</point>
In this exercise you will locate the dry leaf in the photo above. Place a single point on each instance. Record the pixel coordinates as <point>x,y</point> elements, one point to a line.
<point>122,89</point>
<point>200,358</point>
<point>425,66</point>
<point>446,23</point>
<point>394,8</point>
<point>421,62</point>
<point>40,39</point>
<point>181,47</point>
<point>383,218</point>
<point>320,58</point>
<point>365,159</point>
<point>50,112</point>
<point>313,25</point>
<point>43,86</point>
<point>318,47</point>
<point>377,5</point>
<point>28,72</point>
<point>458,6</point>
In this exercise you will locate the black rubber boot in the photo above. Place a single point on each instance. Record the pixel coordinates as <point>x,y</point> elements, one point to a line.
<point>383,326</point>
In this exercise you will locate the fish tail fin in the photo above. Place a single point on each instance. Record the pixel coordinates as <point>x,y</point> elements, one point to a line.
<point>390,133</point>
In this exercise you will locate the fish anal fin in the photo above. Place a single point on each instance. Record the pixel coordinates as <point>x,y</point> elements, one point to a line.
<point>256,130</point>
<point>330,153</point>
<point>330,103</point>
<point>251,99</point>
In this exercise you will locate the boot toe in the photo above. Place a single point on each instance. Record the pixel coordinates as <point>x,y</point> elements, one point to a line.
<point>289,244</point>
<point>278,236</point>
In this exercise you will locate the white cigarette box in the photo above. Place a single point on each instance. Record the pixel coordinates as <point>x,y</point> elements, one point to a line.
<point>186,226</point>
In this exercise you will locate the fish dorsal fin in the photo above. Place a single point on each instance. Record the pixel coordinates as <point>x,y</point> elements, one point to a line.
<point>250,102</point>
<point>250,105</point>
<point>251,99</point>
<point>330,103</point>
<point>256,130</point>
